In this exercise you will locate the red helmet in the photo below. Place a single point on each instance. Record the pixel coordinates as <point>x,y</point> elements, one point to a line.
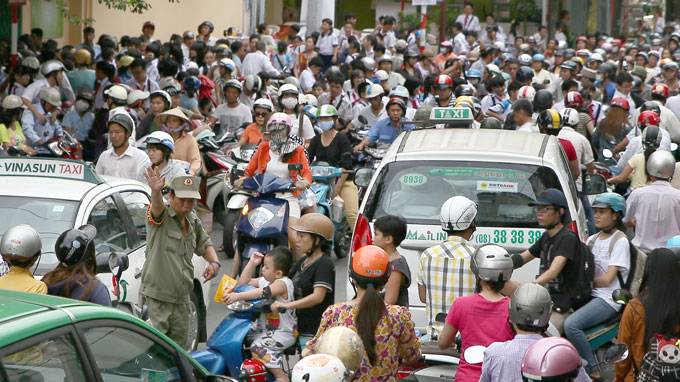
<point>443,81</point>
<point>648,118</point>
<point>573,100</point>
<point>617,42</point>
<point>398,102</point>
<point>551,358</point>
<point>253,371</point>
<point>620,102</point>
<point>581,38</point>
<point>661,89</point>
<point>370,264</point>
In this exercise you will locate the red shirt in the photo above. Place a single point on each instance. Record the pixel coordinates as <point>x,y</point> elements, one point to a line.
<point>568,149</point>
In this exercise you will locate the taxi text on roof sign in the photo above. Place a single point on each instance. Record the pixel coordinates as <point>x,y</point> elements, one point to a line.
<point>47,167</point>
<point>445,114</point>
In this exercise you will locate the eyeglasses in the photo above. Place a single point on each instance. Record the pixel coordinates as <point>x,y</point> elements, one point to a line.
<point>261,114</point>
<point>542,209</point>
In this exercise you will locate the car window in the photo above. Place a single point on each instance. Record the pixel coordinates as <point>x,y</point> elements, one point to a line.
<point>416,190</point>
<point>50,217</point>
<point>54,359</point>
<point>111,234</point>
<point>124,355</point>
<point>137,203</point>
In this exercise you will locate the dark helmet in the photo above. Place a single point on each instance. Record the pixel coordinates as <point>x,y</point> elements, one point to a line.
<point>543,100</point>
<point>192,83</point>
<point>550,120</point>
<point>464,90</point>
<point>491,123</point>
<point>209,24</point>
<point>74,244</point>
<point>524,73</point>
<point>650,106</point>
<point>398,102</point>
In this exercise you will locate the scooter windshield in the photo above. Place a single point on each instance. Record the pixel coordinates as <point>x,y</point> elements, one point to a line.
<point>267,184</point>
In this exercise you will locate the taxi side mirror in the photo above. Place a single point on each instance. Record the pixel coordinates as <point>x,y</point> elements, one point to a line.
<point>594,184</point>
<point>363,176</point>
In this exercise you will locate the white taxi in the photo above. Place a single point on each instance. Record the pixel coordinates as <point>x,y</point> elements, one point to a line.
<point>53,195</point>
<point>501,171</point>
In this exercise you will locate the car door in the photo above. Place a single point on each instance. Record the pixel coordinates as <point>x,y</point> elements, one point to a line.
<point>133,204</point>
<point>121,351</point>
<point>55,356</point>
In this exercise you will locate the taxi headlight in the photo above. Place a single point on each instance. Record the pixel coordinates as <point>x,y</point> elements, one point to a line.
<point>259,217</point>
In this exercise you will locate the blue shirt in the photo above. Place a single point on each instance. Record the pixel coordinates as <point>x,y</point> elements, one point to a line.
<point>187,102</point>
<point>80,126</point>
<point>384,132</point>
<point>80,77</point>
<point>34,131</point>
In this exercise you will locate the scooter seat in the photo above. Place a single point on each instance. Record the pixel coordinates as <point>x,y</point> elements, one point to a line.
<point>432,347</point>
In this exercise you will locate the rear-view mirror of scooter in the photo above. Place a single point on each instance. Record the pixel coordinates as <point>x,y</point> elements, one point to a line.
<point>118,263</point>
<point>622,296</point>
<point>616,353</point>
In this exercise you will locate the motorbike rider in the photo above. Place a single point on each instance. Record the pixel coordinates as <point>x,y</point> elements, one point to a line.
<point>231,114</point>
<point>122,159</point>
<point>611,252</point>
<point>556,249</point>
<point>552,359</point>
<point>289,104</point>
<point>38,132</point>
<point>444,272</point>
<point>277,326</point>
<point>313,275</point>
<point>633,141</point>
<point>74,276</point>
<point>334,148</point>
<point>635,168</point>
<point>530,308</point>
<point>175,123</point>
<point>54,77</point>
<point>11,132</point>
<point>160,101</point>
<point>386,331</point>
<point>654,210</point>
<point>481,318</point>
<point>387,129</point>
<point>372,113</point>
<point>549,122</point>
<point>255,131</point>
<point>20,248</point>
<point>274,156</point>
<point>160,147</point>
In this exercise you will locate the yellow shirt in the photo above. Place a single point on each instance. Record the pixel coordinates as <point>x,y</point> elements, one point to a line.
<point>639,177</point>
<point>22,280</point>
<point>15,136</point>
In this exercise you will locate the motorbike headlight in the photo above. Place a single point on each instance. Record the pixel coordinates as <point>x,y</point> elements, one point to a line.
<point>322,171</point>
<point>259,217</point>
<point>54,146</point>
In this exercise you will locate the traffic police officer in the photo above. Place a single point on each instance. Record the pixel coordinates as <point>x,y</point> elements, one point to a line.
<point>174,234</point>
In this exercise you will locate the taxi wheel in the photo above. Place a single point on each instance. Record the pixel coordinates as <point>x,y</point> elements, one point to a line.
<point>229,235</point>
<point>194,322</point>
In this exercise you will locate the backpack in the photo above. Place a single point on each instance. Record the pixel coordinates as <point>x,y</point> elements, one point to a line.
<point>662,362</point>
<point>579,293</point>
<point>638,259</point>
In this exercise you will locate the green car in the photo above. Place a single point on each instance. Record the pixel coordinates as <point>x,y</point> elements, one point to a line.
<point>47,338</point>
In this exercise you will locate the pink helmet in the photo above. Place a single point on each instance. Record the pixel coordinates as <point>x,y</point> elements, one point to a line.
<point>551,358</point>
<point>280,118</point>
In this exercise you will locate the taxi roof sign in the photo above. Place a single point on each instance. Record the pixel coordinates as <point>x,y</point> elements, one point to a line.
<point>462,115</point>
<point>49,168</point>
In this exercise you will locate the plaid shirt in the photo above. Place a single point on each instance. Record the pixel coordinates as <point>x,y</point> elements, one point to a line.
<point>445,272</point>
<point>4,267</point>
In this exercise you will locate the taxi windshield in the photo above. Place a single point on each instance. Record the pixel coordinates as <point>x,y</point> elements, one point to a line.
<point>50,217</point>
<point>416,191</point>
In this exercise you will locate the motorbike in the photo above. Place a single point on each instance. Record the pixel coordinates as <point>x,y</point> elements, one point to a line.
<point>236,198</point>
<point>61,146</point>
<point>216,167</point>
<point>332,205</point>
<point>263,223</point>
<point>116,264</point>
<point>227,349</point>
<point>435,364</point>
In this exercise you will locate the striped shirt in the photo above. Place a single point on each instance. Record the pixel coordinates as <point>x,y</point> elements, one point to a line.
<point>445,272</point>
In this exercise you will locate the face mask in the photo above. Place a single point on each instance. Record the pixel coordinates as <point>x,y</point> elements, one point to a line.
<point>289,103</point>
<point>442,50</point>
<point>326,125</point>
<point>82,106</point>
<point>598,78</point>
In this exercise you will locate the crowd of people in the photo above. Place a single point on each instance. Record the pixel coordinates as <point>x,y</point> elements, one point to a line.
<point>305,97</point>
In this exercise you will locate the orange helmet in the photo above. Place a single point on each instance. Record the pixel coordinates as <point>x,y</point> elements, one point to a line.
<point>370,265</point>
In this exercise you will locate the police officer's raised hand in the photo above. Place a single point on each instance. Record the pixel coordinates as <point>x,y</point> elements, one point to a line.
<point>154,178</point>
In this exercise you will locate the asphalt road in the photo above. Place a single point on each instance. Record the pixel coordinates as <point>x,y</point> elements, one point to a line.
<point>216,310</point>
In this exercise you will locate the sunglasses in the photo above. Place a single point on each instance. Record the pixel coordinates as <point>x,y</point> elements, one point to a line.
<point>261,114</point>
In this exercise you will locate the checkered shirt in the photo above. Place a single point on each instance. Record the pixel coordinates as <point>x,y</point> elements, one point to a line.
<point>445,272</point>
<point>4,267</point>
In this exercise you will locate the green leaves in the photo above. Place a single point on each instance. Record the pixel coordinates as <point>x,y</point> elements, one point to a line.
<point>133,6</point>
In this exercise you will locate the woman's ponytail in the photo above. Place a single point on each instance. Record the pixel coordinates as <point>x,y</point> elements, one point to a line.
<point>370,310</point>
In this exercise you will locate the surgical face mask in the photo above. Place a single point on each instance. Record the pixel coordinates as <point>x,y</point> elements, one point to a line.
<point>289,103</point>
<point>442,50</point>
<point>598,78</point>
<point>326,125</point>
<point>82,106</point>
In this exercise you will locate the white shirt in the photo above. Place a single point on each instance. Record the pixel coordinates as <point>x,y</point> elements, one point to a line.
<point>489,100</point>
<point>326,43</point>
<point>635,147</point>
<point>390,40</point>
<point>656,210</point>
<point>32,92</point>
<point>620,257</point>
<point>129,165</point>
<point>673,103</point>
<point>529,127</point>
<point>668,121</point>
<point>307,80</point>
<point>460,45</point>
<point>307,131</point>
<point>341,103</point>
<point>257,62</point>
<point>469,23</point>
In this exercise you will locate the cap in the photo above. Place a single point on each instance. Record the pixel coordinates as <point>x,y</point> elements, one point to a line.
<point>588,73</point>
<point>427,53</point>
<point>186,186</point>
<point>639,71</point>
<point>551,196</point>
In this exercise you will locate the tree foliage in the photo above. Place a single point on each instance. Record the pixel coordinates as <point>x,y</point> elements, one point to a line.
<point>133,6</point>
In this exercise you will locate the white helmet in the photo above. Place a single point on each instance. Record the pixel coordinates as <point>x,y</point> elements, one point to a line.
<point>136,95</point>
<point>369,63</point>
<point>374,90</point>
<point>493,69</point>
<point>399,91</point>
<point>596,57</point>
<point>310,99</point>
<point>288,89</point>
<point>319,367</point>
<point>569,117</point>
<point>457,214</point>
<point>263,103</point>
<point>527,92</point>
<point>525,59</point>
<point>117,92</point>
